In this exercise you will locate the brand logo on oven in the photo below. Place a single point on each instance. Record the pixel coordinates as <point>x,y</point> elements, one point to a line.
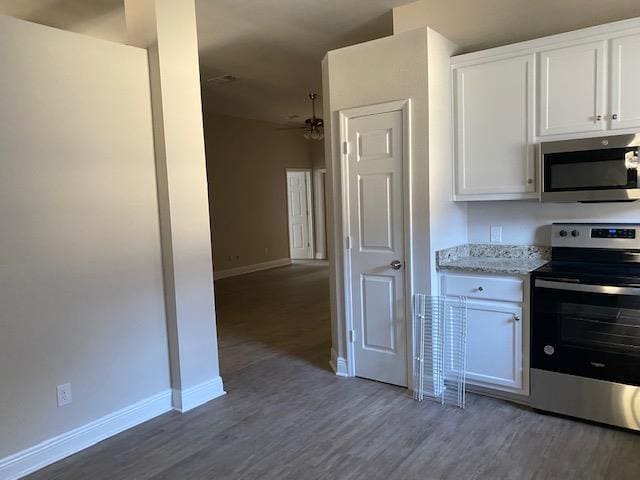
<point>597,364</point>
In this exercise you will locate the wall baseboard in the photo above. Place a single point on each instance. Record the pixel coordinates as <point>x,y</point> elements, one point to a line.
<point>192,397</point>
<point>338,364</point>
<point>50,451</point>
<point>256,267</point>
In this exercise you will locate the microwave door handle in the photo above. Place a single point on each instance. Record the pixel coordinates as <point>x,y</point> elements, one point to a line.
<point>581,287</point>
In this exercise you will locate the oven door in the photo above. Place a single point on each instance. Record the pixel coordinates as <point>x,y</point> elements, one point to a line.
<point>593,175</point>
<point>586,330</point>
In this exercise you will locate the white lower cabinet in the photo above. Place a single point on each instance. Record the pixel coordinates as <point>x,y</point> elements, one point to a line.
<point>497,330</point>
<point>494,345</point>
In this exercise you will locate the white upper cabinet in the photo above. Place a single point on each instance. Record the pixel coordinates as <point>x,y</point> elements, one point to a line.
<point>508,99</point>
<point>625,81</point>
<point>572,91</point>
<point>494,119</point>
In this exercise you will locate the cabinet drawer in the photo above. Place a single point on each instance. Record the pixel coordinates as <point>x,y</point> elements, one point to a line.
<point>488,288</point>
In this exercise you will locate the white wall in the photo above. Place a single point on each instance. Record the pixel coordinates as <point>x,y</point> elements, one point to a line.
<point>528,222</point>
<point>447,219</point>
<point>81,293</point>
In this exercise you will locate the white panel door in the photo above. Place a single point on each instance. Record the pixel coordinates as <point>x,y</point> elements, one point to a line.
<point>494,128</point>
<point>377,236</point>
<point>298,192</point>
<point>625,78</point>
<point>494,345</point>
<point>572,93</point>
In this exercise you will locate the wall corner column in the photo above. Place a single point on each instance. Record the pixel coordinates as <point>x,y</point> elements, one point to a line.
<point>167,29</point>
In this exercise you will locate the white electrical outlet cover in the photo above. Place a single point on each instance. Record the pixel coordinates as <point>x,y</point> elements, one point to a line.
<point>64,394</point>
<point>496,233</point>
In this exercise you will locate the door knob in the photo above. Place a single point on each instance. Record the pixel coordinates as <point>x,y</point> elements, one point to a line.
<point>396,264</point>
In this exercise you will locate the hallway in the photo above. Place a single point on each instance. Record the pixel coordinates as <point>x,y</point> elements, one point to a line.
<point>274,313</point>
<point>287,417</point>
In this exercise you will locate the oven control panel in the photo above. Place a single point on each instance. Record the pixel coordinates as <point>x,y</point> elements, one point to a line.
<point>588,235</point>
<point>613,233</point>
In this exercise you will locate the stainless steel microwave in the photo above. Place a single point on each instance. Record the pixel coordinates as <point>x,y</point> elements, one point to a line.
<point>601,169</point>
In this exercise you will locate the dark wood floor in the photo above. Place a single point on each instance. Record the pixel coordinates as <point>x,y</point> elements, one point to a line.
<point>286,416</point>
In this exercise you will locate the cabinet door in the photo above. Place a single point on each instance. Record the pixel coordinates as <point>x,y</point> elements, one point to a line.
<point>494,346</point>
<point>572,89</point>
<point>494,129</point>
<point>625,77</point>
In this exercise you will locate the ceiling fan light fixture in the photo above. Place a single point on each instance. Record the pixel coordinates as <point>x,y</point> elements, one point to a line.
<point>315,125</point>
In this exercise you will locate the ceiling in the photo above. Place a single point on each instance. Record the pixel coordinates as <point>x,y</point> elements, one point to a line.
<point>274,47</point>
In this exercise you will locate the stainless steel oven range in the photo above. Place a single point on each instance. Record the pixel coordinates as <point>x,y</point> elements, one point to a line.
<point>585,324</point>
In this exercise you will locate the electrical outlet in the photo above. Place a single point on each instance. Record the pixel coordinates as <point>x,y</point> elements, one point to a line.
<point>64,394</point>
<point>496,233</point>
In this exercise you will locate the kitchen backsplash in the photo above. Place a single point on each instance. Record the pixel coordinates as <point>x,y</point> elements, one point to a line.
<point>528,222</point>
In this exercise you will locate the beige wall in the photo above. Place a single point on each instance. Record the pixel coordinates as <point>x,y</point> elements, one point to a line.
<point>182,192</point>
<point>474,25</point>
<point>81,294</point>
<point>246,162</point>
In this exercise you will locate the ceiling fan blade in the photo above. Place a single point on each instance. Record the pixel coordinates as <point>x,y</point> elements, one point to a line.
<point>301,127</point>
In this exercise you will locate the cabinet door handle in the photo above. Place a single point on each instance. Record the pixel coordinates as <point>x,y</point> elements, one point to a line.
<point>614,116</point>
<point>516,318</point>
<point>480,289</point>
<point>598,118</point>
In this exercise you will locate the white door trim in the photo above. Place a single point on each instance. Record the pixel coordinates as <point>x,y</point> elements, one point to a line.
<point>319,182</point>
<point>310,206</point>
<point>403,106</point>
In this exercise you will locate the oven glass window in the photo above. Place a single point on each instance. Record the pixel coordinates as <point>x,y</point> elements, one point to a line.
<point>600,327</point>
<point>615,168</point>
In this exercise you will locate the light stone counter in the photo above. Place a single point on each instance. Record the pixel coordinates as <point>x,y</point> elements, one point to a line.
<point>491,258</point>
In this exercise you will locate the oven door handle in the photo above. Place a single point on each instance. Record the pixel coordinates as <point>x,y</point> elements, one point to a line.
<point>581,287</point>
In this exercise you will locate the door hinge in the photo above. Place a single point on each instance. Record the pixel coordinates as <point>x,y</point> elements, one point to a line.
<point>352,336</point>
<point>347,243</point>
<point>345,148</point>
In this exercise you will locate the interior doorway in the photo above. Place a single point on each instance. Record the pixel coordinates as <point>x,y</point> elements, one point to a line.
<point>300,219</point>
<point>374,216</point>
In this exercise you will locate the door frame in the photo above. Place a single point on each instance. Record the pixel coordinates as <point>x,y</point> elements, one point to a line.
<point>320,214</point>
<point>309,189</point>
<point>404,106</point>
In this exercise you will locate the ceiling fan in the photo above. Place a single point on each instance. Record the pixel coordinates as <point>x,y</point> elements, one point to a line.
<point>313,127</point>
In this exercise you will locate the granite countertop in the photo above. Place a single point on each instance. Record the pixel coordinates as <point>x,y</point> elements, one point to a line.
<point>491,258</point>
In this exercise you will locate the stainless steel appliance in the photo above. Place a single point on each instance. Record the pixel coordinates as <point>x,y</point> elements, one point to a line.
<point>585,324</point>
<point>602,169</point>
